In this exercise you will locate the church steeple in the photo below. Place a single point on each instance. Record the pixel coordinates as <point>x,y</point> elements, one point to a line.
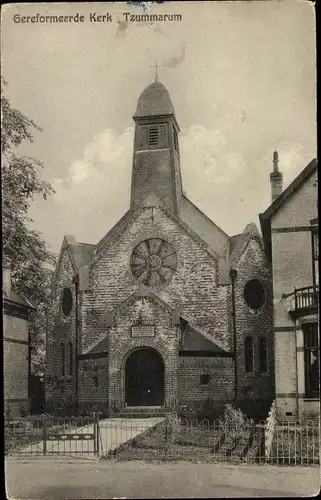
<point>156,163</point>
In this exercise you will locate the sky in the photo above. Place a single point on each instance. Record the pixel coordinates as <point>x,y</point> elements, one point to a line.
<point>241,76</point>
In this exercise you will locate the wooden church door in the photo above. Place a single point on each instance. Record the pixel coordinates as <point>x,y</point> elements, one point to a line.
<point>145,378</point>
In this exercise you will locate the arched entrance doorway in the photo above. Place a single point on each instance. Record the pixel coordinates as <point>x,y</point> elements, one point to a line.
<point>145,378</point>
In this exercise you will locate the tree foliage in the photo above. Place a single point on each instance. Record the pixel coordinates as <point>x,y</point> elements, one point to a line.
<point>23,248</point>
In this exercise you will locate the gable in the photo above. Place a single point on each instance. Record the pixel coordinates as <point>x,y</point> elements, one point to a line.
<point>307,173</point>
<point>132,218</point>
<point>193,286</point>
<point>65,270</point>
<point>299,208</point>
<point>241,242</point>
<point>252,255</point>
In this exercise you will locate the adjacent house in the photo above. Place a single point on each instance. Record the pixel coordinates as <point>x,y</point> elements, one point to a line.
<point>16,350</point>
<point>290,234</point>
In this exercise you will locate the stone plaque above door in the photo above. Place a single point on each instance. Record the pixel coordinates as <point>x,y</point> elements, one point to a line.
<point>143,331</point>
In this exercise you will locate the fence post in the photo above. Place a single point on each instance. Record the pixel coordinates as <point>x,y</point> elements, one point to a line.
<point>44,426</point>
<point>96,433</point>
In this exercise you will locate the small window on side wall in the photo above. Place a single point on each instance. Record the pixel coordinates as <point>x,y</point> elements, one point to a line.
<point>263,355</point>
<point>63,360</point>
<point>248,354</point>
<point>71,361</point>
<point>205,379</point>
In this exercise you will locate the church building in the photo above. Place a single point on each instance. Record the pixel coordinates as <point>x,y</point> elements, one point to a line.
<point>166,309</point>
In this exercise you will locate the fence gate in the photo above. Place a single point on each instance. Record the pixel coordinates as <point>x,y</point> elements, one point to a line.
<point>47,435</point>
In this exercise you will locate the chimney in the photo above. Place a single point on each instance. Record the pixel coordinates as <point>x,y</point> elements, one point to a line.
<point>276,178</point>
<point>6,280</point>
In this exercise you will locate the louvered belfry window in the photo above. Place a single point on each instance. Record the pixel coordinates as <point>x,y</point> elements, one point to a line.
<point>153,133</point>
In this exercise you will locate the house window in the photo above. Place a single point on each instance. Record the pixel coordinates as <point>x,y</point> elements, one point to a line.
<point>153,135</point>
<point>205,379</point>
<point>96,381</point>
<point>70,358</point>
<point>62,350</point>
<point>248,354</point>
<point>315,256</point>
<point>263,355</point>
<point>316,245</point>
<point>311,359</point>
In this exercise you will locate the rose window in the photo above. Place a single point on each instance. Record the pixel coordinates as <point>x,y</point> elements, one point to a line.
<point>153,261</point>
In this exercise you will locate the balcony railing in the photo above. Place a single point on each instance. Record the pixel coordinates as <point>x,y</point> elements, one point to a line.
<point>305,300</point>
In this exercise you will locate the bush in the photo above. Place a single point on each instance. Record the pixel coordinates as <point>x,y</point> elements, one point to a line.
<point>235,420</point>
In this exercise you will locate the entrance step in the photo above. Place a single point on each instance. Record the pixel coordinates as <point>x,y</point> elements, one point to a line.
<point>143,412</point>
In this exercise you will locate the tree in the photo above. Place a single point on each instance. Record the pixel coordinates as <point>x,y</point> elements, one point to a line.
<point>30,260</point>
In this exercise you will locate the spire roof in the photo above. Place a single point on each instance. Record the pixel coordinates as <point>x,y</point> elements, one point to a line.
<point>154,101</point>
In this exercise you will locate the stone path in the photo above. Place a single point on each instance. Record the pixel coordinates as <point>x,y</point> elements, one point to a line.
<point>116,431</point>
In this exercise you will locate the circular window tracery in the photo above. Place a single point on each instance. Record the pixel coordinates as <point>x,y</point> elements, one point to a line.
<point>254,294</point>
<point>153,261</point>
<point>66,301</point>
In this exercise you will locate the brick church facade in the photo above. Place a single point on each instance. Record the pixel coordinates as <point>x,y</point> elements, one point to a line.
<point>166,309</point>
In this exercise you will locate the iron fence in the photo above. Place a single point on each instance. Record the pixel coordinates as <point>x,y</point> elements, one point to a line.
<point>173,439</point>
<point>170,438</point>
<point>45,435</point>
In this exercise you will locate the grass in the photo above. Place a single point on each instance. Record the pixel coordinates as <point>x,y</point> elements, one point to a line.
<point>200,443</point>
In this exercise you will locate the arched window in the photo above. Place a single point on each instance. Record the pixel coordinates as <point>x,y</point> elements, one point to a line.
<point>248,354</point>
<point>66,301</point>
<point>62,349</point>
<point>263,355</point>
<point>70,358</point>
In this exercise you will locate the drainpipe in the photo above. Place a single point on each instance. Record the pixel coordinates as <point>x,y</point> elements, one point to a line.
<point>29,369</point>
<point>76,283</point>
<point>233,276</point>
<point>296,369</point>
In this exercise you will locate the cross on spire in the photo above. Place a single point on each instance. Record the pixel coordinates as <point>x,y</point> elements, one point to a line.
<point>156,66</point>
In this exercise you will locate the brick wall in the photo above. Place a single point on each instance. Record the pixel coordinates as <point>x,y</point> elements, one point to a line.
<point>193,287</point>
<point>61,330</point>
<point>93,384</point>
<point>255,323</point>
<point>220,388</point>
<point>15,365</point>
